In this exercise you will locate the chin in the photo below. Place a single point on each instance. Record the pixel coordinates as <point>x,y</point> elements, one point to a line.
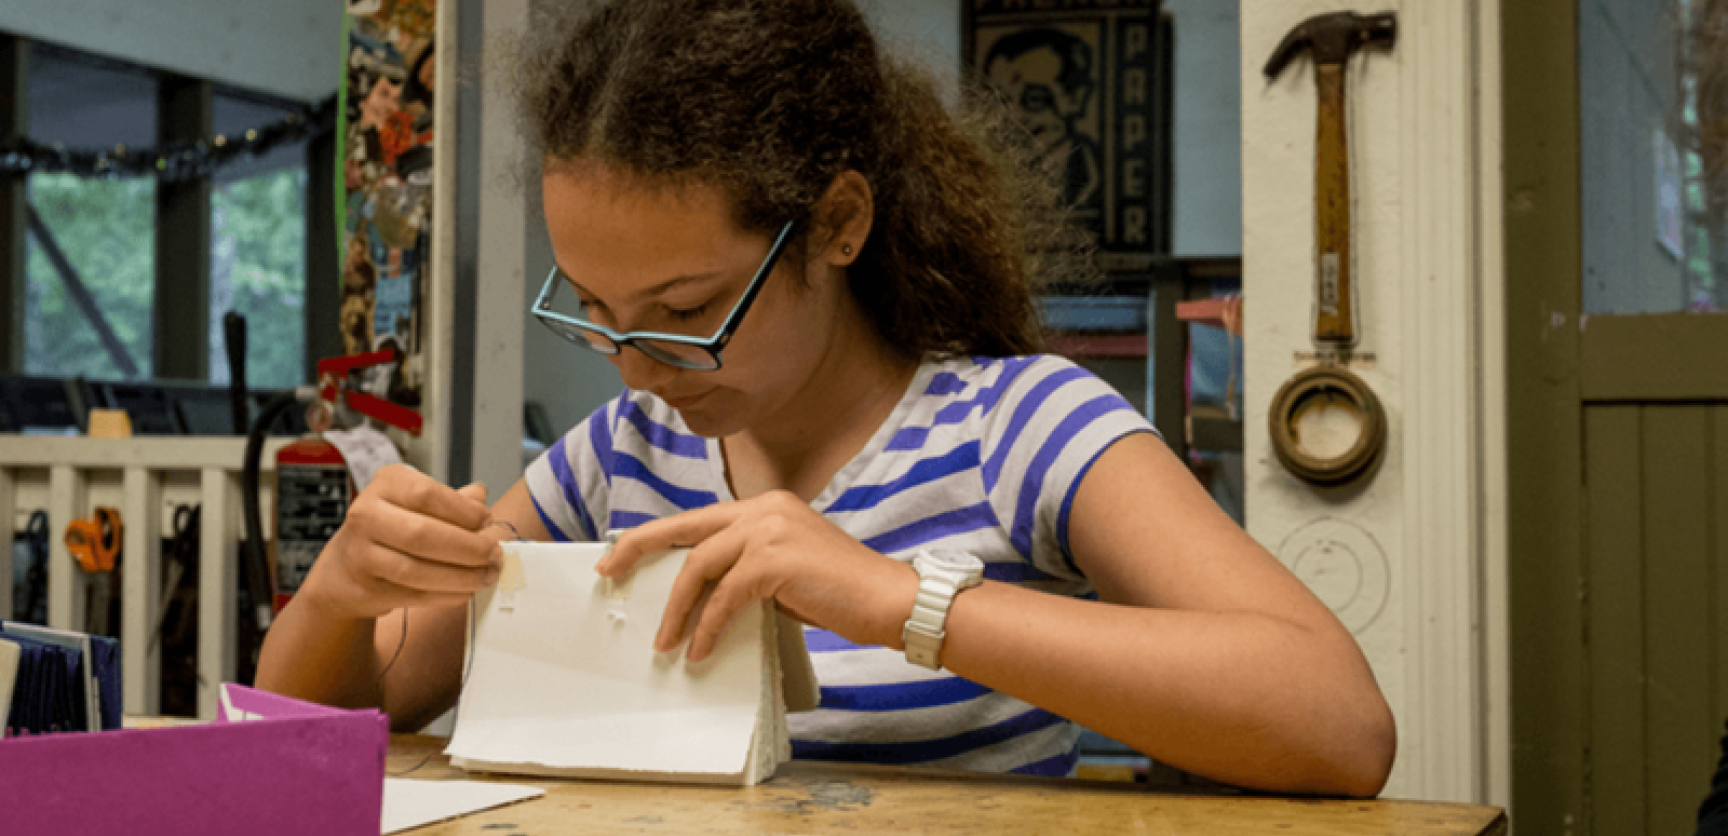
<point>708,424</point>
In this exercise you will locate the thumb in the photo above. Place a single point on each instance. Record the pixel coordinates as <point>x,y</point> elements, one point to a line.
<point>475,491</point>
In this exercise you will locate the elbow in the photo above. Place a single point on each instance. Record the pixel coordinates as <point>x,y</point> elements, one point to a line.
<point>1364,768</point>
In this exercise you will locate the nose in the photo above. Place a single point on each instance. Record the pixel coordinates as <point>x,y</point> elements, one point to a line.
<point>640,372</point>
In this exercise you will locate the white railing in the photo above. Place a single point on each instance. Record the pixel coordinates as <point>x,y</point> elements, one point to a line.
<point>145,478</point>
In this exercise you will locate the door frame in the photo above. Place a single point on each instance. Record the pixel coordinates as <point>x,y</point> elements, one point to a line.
<point>1544,433</point>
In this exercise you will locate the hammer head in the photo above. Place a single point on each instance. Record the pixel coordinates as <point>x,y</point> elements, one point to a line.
<point>1332,37</point>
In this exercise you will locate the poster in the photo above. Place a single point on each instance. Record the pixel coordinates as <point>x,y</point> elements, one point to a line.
<point>386,168</point>
<point>1090,79</point>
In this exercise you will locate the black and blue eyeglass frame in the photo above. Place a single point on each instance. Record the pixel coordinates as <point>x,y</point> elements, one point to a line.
<point>684,352</point>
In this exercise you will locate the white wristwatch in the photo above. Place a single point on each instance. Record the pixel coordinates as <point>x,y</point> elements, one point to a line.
<point>942,573</point>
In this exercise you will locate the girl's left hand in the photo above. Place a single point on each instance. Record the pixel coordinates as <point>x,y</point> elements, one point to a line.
<point>771,546</point>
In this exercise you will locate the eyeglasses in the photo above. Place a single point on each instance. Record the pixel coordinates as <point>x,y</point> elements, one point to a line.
<point>699,353</point>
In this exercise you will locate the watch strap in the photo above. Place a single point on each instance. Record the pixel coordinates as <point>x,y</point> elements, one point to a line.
<point>926,627</point>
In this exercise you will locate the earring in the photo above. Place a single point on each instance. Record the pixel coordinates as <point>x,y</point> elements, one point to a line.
<point>846,250</point>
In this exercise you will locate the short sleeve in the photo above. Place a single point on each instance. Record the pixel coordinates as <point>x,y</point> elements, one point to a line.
<point>1054,421</point>
<point>570,482</point>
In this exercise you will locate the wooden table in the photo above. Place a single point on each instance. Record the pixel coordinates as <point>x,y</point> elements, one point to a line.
<point>810,799</point>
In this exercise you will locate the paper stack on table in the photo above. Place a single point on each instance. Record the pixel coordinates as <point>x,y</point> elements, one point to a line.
<point>562,678</point>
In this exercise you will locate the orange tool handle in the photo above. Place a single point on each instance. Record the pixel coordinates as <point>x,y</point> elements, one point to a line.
<point>95,543</point>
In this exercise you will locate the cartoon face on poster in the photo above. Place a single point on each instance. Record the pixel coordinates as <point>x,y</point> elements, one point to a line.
<point>1049,73</point>
<point>1084,78</point>
<point>386,163</point>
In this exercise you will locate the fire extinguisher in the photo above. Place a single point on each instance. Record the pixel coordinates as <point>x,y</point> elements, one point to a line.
<point>313,485</point>
<point>313,490</point>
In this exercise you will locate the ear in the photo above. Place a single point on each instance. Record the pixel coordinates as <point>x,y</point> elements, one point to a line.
<point>843,219</point>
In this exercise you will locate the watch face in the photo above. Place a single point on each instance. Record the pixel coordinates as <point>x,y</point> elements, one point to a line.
<point>949,560</point>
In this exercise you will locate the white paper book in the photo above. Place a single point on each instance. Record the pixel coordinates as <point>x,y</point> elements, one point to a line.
<point>562,678</point>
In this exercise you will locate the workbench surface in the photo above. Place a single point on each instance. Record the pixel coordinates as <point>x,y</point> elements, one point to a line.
<point>811,799</point>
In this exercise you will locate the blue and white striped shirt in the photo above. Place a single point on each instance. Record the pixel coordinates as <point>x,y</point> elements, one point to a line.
<point>981,454</point>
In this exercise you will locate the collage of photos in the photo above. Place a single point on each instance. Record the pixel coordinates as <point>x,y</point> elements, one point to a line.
<point>386,160</point>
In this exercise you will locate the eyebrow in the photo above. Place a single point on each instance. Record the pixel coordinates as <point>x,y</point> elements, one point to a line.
<point>657,289</point>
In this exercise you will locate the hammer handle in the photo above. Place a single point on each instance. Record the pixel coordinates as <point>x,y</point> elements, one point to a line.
<point>1334,319</point>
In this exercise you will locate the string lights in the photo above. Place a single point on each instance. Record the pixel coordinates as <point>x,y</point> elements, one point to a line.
<point>171,163</point>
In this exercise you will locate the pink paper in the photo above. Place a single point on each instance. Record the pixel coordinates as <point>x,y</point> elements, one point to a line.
<point>319,774</point>
<point>272,706</point>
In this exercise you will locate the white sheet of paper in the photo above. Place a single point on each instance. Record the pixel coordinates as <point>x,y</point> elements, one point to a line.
<point>366,450</point>
<point>567,676</point>
<point>409,803</point>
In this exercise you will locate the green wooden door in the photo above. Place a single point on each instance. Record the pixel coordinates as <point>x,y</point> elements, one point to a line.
<point>1618,417</point>
<point>1656,610</point>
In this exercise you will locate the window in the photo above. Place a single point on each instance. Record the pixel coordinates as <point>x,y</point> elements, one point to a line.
<point>91,274</point>
<point>258,250</point>
<point>91,271</point>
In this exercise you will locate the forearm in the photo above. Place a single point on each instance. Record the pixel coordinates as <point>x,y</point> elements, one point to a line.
<point>312,655</point>
<point>1238,697</point>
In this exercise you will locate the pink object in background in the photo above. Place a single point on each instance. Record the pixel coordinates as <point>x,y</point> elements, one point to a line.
<point>297,769</point>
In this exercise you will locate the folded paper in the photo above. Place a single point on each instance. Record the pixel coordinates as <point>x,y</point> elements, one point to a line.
<point>562,678</point>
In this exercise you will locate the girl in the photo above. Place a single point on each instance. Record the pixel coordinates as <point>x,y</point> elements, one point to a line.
<point>818,293</point>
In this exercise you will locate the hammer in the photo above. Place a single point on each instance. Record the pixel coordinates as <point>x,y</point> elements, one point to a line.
<point>1332,38</point>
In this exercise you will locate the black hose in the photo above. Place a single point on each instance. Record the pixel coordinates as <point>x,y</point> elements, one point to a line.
<point>234,335</point>
<point>258,581</point>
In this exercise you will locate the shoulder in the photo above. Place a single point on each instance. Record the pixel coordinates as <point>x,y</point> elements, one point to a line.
<point>1050,420</point>
<point>979,391</point>
<point>1005,400</point>
<point>1001,387</point>
<point>985,381</point>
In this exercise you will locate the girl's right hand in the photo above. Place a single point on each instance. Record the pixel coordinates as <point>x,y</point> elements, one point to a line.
<point>407,541</point>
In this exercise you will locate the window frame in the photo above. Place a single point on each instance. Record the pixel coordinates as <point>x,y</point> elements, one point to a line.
<point>183,220</point>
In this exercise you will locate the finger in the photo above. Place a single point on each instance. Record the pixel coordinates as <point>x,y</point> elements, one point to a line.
<point>702,569</point>
<point>408,488</point>
<point>424,536</point>
<point>706,565</point>
<point>679,531</point>
<point>737,590</point>
<point>475,491</point>
<point>405,571</point>
<point>398,597</point>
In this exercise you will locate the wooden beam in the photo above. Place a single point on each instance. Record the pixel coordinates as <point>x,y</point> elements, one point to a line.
<point>323,260</point>
<point>181,313</point>
<point>1654,357</point>
<point>1167,357</point>
<point>14,124</point>
<point>141,592</point>
<point>218,574</point>
<point>1544,433</point>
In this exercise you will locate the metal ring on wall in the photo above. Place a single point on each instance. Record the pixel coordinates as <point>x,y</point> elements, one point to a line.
<point>1297,395</point>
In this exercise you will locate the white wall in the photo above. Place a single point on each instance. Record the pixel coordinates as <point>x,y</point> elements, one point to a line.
<point>291,48</point>
<point>1405,558</point>
<point>1207,148</point>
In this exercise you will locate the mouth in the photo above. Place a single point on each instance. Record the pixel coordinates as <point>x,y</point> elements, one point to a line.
<point>682,403</point>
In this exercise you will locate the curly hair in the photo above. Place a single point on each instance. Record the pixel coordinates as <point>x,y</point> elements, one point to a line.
<point>769,100</point>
